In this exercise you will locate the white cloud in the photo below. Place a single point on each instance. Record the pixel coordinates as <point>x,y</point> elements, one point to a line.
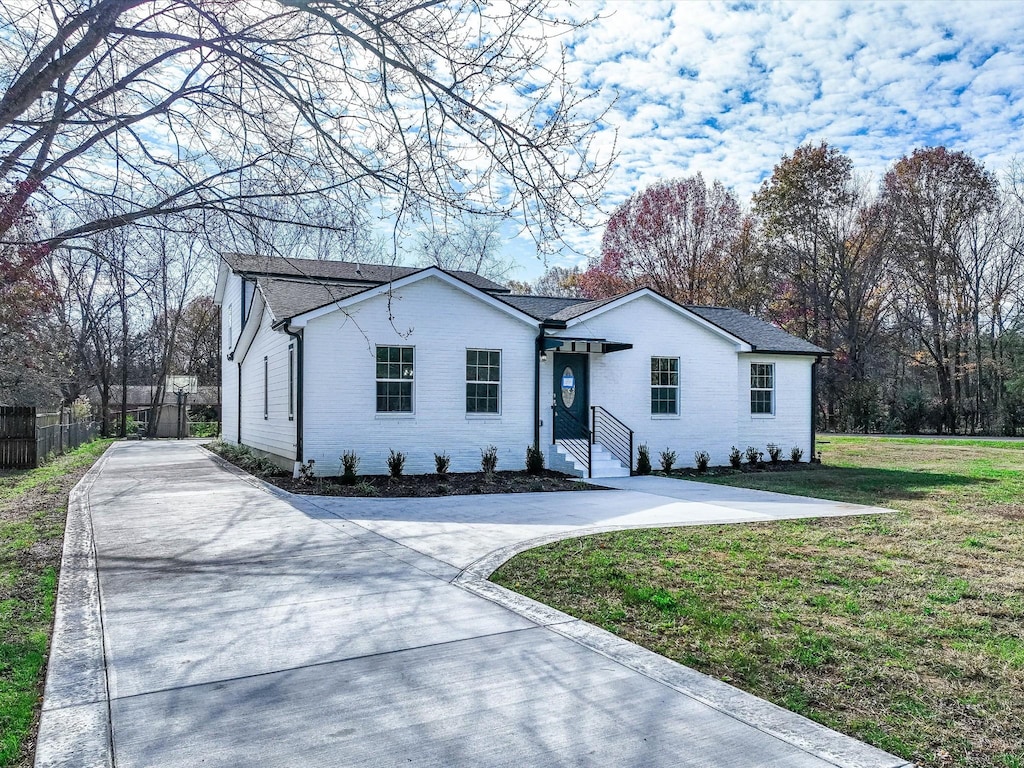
<point>728,88</point>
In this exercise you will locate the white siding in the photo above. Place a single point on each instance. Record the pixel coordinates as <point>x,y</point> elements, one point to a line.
<point>790,425</point>
<point>440,322</point>
<point>230,322</point>
<point>621,381</point>
<point>274,434</point>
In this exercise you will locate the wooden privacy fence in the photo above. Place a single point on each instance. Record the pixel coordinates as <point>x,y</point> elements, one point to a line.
<point>27,436</point>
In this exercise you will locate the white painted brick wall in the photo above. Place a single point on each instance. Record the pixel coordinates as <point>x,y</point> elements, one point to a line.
<point>276,433</point>
<point>441,322</point>
<point>791,423</point>
<point>621,381</point>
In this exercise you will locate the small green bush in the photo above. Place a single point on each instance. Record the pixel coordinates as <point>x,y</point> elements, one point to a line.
<point>349,465</point>
<point>396,463</point>
<point>307,472</point>
<point>367,489</point>
<point>795,454</point>
<point>442,461</point>
<point>702,459</point>
<point>753,455</point>
<point>534,460</point>
<point>489,459</point>
<point>735,458</point>
<point>643,459</point>
<point>667,459</point>
<point>774,452</point>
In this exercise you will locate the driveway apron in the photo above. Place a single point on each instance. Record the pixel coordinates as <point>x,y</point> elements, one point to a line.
<point>206,619</point>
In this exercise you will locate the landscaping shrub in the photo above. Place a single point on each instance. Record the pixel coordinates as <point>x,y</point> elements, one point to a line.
<point>489,459</point>
<point>441,463</point>
<point>307,472</point>
<point>243,458</point>
<point>795,454</point>
<point>643,460</point>
<point>774,453</point>
<point>349,464</point>
<point>534,460</point>
<point>753,455</point>
<point>396,463</point>
<point>366,489</point>
<point>702,459</point>
<point>667,459</point>
<point>735,457</point>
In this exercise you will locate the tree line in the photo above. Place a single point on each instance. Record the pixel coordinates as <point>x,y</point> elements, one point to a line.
<point>915,284</point>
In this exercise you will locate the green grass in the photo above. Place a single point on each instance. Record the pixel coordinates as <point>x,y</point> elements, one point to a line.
<point>33,507</point>
<point>904,630</point>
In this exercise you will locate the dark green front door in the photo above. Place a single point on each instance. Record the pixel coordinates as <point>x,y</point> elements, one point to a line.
<point>571,397</point>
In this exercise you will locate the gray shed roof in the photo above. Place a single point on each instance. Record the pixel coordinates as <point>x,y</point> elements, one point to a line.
<point>341,271</point>
<point>759,334</point>
<point>288,298</point>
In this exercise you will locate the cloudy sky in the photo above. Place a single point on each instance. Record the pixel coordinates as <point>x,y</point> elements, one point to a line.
<point>728,88</point>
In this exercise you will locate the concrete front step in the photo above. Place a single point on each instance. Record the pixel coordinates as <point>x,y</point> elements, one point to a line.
<point>603,464</point>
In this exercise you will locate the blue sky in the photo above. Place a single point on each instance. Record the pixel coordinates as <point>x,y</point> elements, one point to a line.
<point>728,88</point>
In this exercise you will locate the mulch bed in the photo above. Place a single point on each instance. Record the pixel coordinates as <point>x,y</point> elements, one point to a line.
<point>743,469</point>
<point>452,484</point>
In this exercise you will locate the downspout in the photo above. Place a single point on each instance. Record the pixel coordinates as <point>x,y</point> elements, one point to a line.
<point>536,389</point>
<point>239,406</point>
<point>297,335</point>
<point>814,403</point>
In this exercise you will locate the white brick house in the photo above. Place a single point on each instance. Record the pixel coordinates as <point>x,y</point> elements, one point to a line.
<point>322,357</point>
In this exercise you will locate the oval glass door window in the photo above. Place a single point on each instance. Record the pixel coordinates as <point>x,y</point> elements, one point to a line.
<point>568,387</point>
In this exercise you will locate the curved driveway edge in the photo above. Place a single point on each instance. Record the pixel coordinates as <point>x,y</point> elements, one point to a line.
<point>218,620</point>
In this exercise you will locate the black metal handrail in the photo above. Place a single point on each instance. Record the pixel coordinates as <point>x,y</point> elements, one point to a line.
<point>575,435</point>
<point>612,434</point>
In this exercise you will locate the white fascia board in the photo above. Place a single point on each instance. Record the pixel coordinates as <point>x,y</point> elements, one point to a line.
<point>223,273</point>
<point>249,330</point>
<point>741,345</point>
<point>300,321</point>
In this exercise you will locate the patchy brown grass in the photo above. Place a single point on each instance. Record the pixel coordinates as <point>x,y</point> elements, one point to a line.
<point>905,630</point>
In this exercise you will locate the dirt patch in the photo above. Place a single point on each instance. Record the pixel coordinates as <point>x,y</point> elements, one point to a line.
<point>452,484</point>
<point>764,467</point>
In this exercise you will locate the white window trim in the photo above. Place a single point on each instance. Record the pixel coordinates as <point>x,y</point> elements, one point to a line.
<point>266,388</point>
<point>501,374</point>
<point>412,385</point>
<point>291,382</point>
<point>676,386</point>
<point>763,389</point>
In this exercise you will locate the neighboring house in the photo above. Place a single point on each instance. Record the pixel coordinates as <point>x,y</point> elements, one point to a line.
<point>322,357</point>
<point>202,405</point>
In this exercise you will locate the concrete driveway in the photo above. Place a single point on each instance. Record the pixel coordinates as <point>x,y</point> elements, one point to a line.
<point>204,619</point>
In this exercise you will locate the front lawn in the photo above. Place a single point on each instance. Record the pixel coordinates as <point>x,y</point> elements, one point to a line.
<point>33,507</point>
<point>904,630</point>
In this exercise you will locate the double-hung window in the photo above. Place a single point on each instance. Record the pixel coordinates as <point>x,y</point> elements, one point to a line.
<point>483,381</point>
<point>762,389</point>
<point>394,379</point>
<point>664,386</point>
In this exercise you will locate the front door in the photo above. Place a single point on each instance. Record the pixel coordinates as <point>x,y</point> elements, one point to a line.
<point>571,398</point>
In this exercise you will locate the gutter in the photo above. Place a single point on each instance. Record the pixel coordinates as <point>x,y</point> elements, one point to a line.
<point>297,335</point>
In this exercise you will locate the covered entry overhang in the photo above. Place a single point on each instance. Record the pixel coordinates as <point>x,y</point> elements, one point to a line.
<point>582,345</point>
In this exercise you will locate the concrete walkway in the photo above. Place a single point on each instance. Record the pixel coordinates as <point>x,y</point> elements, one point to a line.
<point>205,619</point>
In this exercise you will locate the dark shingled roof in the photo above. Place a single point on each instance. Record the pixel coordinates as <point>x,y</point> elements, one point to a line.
<point>341,271</point>
<point>761,335</point>
<point>288,298</point>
